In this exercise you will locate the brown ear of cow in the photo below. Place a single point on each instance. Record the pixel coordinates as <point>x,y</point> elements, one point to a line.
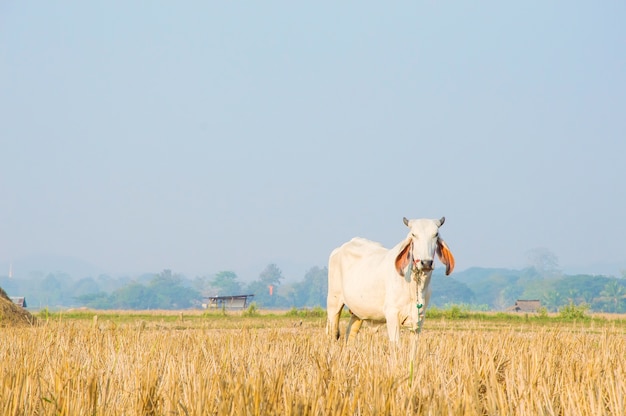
<point>402,259</point>
<point>445,255</point>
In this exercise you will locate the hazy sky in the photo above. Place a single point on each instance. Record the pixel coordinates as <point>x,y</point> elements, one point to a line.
<point>207,136</point>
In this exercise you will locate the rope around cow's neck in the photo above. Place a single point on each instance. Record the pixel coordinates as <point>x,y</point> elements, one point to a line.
<point>412,270</point>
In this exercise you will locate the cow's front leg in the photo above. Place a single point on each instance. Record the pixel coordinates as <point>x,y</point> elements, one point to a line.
<point>353,328</point>
<point>393,326</point>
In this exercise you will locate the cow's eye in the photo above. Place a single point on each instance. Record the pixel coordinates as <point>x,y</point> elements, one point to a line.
<point>436,235</point>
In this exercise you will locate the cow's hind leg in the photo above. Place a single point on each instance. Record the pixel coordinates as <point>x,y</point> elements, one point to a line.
<point>353,328</point>
<point>334,313</point>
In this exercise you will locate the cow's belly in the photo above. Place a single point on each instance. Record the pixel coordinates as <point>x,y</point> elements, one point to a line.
<point>364,294</point>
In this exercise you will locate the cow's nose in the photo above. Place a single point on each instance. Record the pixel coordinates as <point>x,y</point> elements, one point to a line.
<point>427,264</point>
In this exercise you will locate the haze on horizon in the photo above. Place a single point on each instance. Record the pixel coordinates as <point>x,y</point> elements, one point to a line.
<point>201,137</point>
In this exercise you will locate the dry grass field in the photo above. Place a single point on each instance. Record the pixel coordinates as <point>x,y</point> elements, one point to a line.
<point>172,364</point>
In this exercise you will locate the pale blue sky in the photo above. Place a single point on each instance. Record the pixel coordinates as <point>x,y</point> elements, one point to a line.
<point>205,136</point>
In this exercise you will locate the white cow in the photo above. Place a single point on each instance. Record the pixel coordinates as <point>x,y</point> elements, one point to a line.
<point>384,285</point>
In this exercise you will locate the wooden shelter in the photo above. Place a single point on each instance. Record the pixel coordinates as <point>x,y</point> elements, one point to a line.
<point>227,302</point>
<point>19,301</point>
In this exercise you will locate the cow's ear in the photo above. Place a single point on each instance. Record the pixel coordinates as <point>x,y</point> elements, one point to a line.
<point>402,259</point>
<point>445,255</point>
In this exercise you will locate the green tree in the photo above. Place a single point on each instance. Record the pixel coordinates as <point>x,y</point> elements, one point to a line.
<point>615,293</point>
<point>262,295</point>
<point>165,278</point>
<point>510,294</point>
<point>225,283</point>
<point>586,296</point>
<point>99,300</point>
<point>313,290</point>
<point>553,300</point>
<point>164,291</point>
<point>133,296</point>
<point>54,290</point>
<point>85,286</point>
<point>573,295</point>
<point>271,275</point>
<point>265,288</point>
<point>108,284</point>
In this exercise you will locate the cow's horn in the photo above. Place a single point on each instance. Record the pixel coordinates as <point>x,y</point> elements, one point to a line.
<point>406,222</point>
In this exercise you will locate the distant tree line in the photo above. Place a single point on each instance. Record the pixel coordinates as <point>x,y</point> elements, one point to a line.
<point>269,290</point>
<point>163,291</point>
<point>498,289</point>
<point>479,288</point>
<point>168,290</point>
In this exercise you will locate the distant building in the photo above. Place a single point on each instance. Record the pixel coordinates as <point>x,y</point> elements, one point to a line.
<point>522,305</point>
<point>19,301</point>
<point>226,302</point>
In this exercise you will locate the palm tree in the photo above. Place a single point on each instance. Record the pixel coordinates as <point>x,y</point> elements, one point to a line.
<point>614,292</point>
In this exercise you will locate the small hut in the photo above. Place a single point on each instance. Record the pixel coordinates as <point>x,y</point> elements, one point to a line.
<point>19,301</point>
<point>227,302</point>
<point>525,305</point>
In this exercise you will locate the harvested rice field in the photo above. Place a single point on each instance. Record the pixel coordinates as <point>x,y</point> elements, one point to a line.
<point>119,363</point>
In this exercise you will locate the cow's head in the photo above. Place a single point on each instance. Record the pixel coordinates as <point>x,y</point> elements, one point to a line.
<point>421,245</point>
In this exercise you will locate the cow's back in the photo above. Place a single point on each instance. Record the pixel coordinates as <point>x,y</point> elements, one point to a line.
<point>356,277</point>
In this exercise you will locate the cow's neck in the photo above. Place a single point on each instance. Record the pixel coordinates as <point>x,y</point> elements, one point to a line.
<point>418,284</point>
